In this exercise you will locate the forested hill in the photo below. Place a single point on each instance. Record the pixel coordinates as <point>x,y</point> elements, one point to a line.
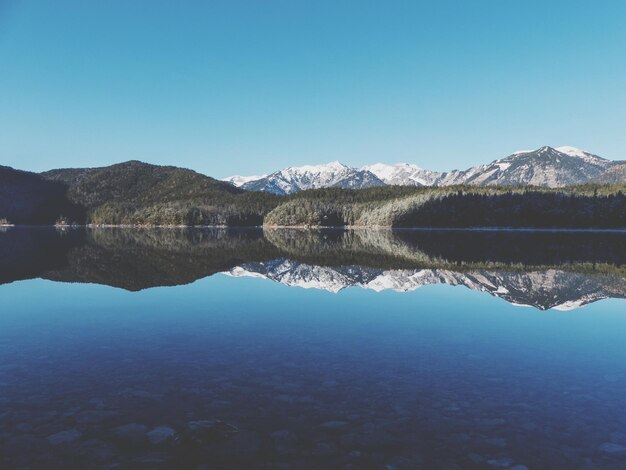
<point>140,193</point>
<point>135,181</point>
<point>127,193</point>
<point>589,206</point>
<point>136,193</point>
<point>28,198</point>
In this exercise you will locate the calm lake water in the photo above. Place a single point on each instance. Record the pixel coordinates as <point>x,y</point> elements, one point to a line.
<point>287,349</point>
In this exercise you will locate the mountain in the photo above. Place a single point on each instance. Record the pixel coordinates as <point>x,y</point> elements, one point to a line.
<point>404,174</point>
<point>136,182</point>
<point>296,179</point>
<point>140,193</point>
<point>614,175</point>
<point>238,180</point>
<point>541,269</point>
<point>551,289</point>
<point>28,198</point>
<point>136,193</point>
<point>546,166</point>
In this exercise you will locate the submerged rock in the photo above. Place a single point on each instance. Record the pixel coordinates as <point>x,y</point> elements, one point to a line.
<point>213,426</point>
<point>94,416</point>
<point>24,445</point>
<point>199,433</point>
<point>496,442</point>
<point>613,448</point>
<point>131,432</point>
<point>97,450</point>
<point>284,441</point>
<point>150,460</point>
<point>489,422</point>
<point>160,434</point>
<point>500,462</point>
<point>334,425</point>
<point>618,437</point>
<point>324,449</point>
<point>64,437</point>
<point>243,444</point>
<point>476,458</point>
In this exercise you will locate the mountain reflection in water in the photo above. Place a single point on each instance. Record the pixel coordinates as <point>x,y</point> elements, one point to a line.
<point>561,270</point>
<point>102,368</point>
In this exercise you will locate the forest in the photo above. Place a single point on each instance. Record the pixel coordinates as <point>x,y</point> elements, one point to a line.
<point>139,194</point>
<point>589,206</point>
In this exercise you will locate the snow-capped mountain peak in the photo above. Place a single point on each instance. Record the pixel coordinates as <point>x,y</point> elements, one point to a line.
<point>300,178</point>
<point>551,289</point>
<point>588,157</point>
<point>238,180</point>
<point>323,167</point>
<point>567,150</point>
<point>572,151</point>
<point>545,166</point>
<point>321,170</point>
<point>403,174</point>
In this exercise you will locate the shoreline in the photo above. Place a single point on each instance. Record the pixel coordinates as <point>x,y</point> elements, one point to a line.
<point>327,227</point>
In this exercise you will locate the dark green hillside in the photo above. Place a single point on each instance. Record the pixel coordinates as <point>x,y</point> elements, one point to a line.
<point>137,182</point>
<point>334,207</point>
<point>135,193</point>
<point>140,193</point>
<point>27,198</point>
<point>539,209</point>
<point>588,206</point>
<point>27,252</point>
<point>138,258</point>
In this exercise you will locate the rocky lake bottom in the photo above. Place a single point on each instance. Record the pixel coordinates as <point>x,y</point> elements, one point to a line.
<point>242,367</point>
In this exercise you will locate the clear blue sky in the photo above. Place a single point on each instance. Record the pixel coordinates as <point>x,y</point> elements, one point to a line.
<point>246,87</point>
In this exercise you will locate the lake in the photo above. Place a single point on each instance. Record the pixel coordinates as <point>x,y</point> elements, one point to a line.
<point>288,349</point>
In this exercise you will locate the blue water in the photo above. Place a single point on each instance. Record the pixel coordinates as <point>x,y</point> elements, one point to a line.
<point>285,377</point>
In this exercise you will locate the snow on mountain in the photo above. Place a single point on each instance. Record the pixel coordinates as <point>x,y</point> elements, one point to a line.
<point>551,289</point>
<point>238,180</point>
<point>572,151</point>
<point>330,175</point>
<point>403,174</point>
<point>586,156</point>
<point>295,274</point>
<point>546,166</point>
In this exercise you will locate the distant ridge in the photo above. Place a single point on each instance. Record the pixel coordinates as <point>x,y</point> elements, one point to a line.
<point>551,289</point>
<point>493,195</point>
<point>295,179</point>
<point>546,166</point>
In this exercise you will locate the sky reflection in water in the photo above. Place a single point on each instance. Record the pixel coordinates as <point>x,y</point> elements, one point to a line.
<point>94,376</point>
